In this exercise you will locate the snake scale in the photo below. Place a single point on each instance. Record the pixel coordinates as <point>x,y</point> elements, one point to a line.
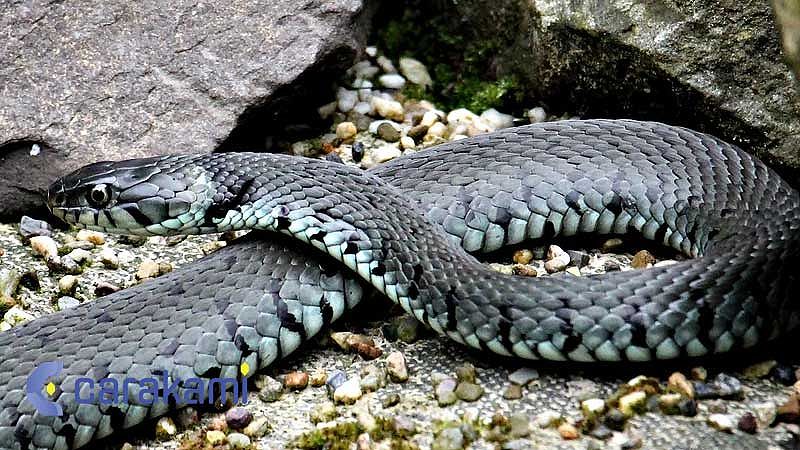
<point>409,228</point>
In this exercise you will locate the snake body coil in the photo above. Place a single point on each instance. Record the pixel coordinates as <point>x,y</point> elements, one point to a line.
<point>407,229</point>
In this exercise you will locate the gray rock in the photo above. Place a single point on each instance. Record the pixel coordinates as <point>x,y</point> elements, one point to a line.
<point>238,418</point>
<point>93,80</point>
<point>67,302</point>
<point>449,439</point>
<point>29,227</point>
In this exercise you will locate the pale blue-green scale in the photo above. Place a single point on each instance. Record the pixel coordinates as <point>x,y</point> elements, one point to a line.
<point>667,349</point>
<point>607,352</point>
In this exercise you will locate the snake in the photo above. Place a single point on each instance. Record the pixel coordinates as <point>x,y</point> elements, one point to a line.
<point>322,232</point>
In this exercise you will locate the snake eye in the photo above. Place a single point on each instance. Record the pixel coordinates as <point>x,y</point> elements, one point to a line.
<point>99,196</point>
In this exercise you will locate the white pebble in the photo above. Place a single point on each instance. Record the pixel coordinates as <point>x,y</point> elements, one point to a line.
<point>429,118</point>
<point>390,109</point>
<point>44,246</point>
<point>67,284</point>
<point>80,256</point>
<point>392,81</point>
<point>349,391</point>
<point>557,259</point>
<point>364,69</point>
<point>371,51</point>
<point>721,422</point>
<point>537,115</point>
<point>415,72</point>
<point>461,116</point>
<point>302,148</point>
<point>327,110</point>
<point>35,150</point>
<point>346,130</point>
<point>496,119</point>
<point>437,129</point>
<point>16,315</point>
<point>346,99</point>
<point>95,237</point>
<point>109,258</point>
<point>385,153</point>
<point>364,107</point>
<point>407,143</point>
<point>458,137</point>
<point>386,64</point>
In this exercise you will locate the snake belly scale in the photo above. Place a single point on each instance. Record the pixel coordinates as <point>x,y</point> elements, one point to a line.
<point>408,229</point>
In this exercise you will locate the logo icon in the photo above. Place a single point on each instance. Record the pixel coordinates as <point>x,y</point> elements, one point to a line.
<point>38,380</point>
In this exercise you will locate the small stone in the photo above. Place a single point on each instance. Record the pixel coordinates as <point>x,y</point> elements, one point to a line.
<point>449,439</point>
<point>44,246</point>
<point>103,288</point>
<point>523,376</point>
<point>438,129</point>
<point>788,412</point>
<point>601,432</point>
<point>382,154</point>
<point>296,381</point>
<point>578,258</point>
<point>165,428</point>
<point>568,431</point>
<point>703,391</point>
<point>364,108</point>
<point>388,131</point>
<point>326,111</point>
<point>760,369</point>
<point>728,387</point>
<point>513,392</point>
<point>218,423</point>
<point>318,378</point>
<point>147,269</point>
<point>390,400</point>
<point>415,72</point>
<point>721,422</point>
<point>537,115</point>
<point>17,315</point>
<point>632,403</point>
<point>574,271</point>
<point>80,256</point>
<point>687,407</point>
<point>323,413</point>
<point>445,392</point>
<point>747,423</point>
<point>677,382</point>
<point>428,119</point>
<point>548,419</point>
<point>29,279</point>
<point>215,437</point>
<point>238,441</point>
<point>109,259</point>
<point>496,119</point>
<point>519,425</point>
<point>67,284</point>
<point>418,132</point>
<point>346,131</point>
<point>611,245</point>
<point>615,419</point>
<point>557,259</point>
<point>363,442</point>
<point>407,143</point>
<point>304,148</point>
<point>135,241</point>
<point>469,392</point>
<point>67,302</point>
<point>389,109</point>
<point>466,373</point>
<point>238,418</point>
<point>765,413</point>
<point>404,426</point>
<point>73,244</point>
<point>10,279</point>
<point>643,259</point>
<point>396,367</point>
<point>29,227</point>
<point>257,428</point>
<point>335,379</point>
<point>95,237</point>
<point>502,268</point>
<point>592,408</point>
<point>270,389</point>
<point>392,81</point>
<point>783,374</point>
<point>175,240</point>
<point>349,391</point>
<point>346,99</point>
<point>385,64</point>
<point>210,247</point>
<point>668,403</point>
<point>357,151</point>
<point>523,256</point>
<point>187,417</point>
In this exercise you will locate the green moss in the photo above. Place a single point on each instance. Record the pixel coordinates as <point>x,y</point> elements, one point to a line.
<point>338,437</point>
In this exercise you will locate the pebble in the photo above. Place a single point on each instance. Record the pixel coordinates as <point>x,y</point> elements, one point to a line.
<point>147,269</point>
<point>592,408</point>
<point>537,115</point>
<point>445,392</point>
<point>469,392</point>
<point>642,260</point>
<point>381,155</point>
<point>747,423</point>
<point>578,258</point>
<point>30,227</point>
<point>396,367</point>
<point>80,256</point>
<point>73,244</point>
<point>407,143</point>
<point>303,148</point>
<point>721,422</point>
<point>784,374</point>
<point>669,403</point>
<point>186,417</point>
<point>449,439</point>
<point>346,99</point>
<point>326,111</point>
<point>568,431</point>
<point>615,419</point>
<point>632,403</point>
<point>404,426</point>
<point>788,412</point>
<point>109,259</point>
<point>385,64</point>
<point>387,131</point>
<point>17,315</point>
<point>523,256</point>
<point>67,302</point>
<point>392,81</point>
<point>610,245</point>
<point>417,133</point>
<point>165,428</point>
<point>415,72</point>
<point>512,392</point>
<point>346,131</point>
<point>134,241</point>
<point>318,378</point>
<point>215,437</point>
<point>574,271</point>
<point>436,130</point>
<point>364,108</point>
<point>175,240</point>
<point>349,391</point>
<point>765,413</point>
<point>523,376</point>
<point>364,69</point>
<point>323,413</point>
<point>496,119</point>
<point>296,381</point>
<point>238,418</point>
<point>95,237</point>
<point>728,387</point>
<point>270,389</point>
<point>548,419</point>
<point>44,246</point>
<point>257,428</point>
<point>687,407</point>
<point>335,379</point>
<point>389,109</point>
<point>466,373</point>
<point>238,441</point>
<point>10,279</point>
<point>103,288</point>
<point>428,119</point>
<point>557,259</point>
<point>677,382</point>
<point>364,442</point>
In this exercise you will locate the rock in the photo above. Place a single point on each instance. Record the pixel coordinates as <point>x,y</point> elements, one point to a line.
<point>318,378</point>
<point>80,256</point>
<point>523,256</point>
<point>512,392</point>
<point>270,389</point>
<point>568,431</point>
<point>747,423</point>
<point>445,392</point>
<point>669,403</point>
<point>358,151</point>
<point>392,81</point>
<point>574,271</point>
<point>237,418</point>
<point>386,130</point>
<point>390,400</point>
<point>765,413</point>
<point>592,408</point>
<point>296,381</point>
<point>215,437</point>
<point>364,109</point>
<point>449,439</point>
<point>147,269</point>
<point>327,110</point>
<point>537,114</point>
<point>66,302</point>
<point>43,246</point>
<point>496,119</point>
<point>67,284</point>
<point>687,407</point>
<point>469,392</point>
<point>349,391</point>
<point>238,441</point>
<point>346,99</point>
<point>109,259</point>
<point>363,442</point>
<point>699,373</point>
<point>429,118</point>
<point>612,245</point>
<point>783,374</point>
<point>304,148</point>
<point>788,412</point>
<point>677,382</point>
<point>396,367</point>
<point>381,155</point>
<point>632,403</point>
<point>721,422</point>
<point>223,70</point>
<point>165,428</point>
<point>389,109</point>
<point>523,376</point>
<point>10,279</point>
<point>29,227</point>
<point>325,412</point>
<point>418,132</point>
<point>335,379</point>
<point>643,259</point>
<point>16,315</point>
<point>578,258</point>
<point>407,143</point>
<point>346,131</point>
<point>95,237</point>
<point>557,259</point>
<point>728,387</point>
<point>415,72</point>
<point>548,419</point>
<point>466,373</point>
<point>615,419</point>
<point>257,428</point>
<point>103,288</point>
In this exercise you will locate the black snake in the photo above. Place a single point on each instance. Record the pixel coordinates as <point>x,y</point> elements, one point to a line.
<point>407,228</point>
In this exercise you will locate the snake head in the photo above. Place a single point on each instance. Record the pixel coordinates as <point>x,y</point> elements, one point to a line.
<point>148,196</point>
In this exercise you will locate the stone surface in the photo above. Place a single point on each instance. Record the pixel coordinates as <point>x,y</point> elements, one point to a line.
<point>90,80</point>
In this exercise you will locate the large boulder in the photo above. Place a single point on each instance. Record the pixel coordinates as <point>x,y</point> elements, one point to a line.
<point>713,66</point>
<point>92,80</point>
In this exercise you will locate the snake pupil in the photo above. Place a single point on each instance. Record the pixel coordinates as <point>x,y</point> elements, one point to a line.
<point>99,195</point>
